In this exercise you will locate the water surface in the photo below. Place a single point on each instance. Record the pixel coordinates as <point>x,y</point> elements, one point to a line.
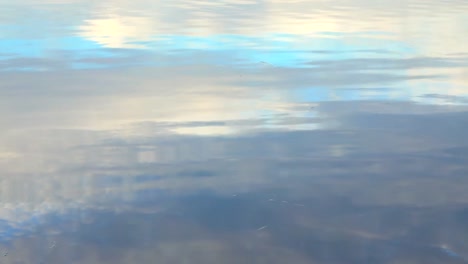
<point>233,131</point>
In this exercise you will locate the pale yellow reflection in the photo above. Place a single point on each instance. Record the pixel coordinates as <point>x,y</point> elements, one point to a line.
<point>429,27</point>
<point>118,31</point>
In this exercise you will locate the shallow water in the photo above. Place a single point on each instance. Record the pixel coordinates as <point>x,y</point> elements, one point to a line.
<point>234,131</point>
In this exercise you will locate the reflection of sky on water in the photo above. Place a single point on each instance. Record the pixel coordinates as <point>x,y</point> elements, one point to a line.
<point>167,192</point>
<point>280,51</point>
<point>233,132</point>
<point>318,57</point>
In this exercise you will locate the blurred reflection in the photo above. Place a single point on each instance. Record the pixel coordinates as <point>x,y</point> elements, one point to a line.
<point>233,132</point>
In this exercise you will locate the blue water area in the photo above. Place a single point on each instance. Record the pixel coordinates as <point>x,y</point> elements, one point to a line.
<point>233,132</point>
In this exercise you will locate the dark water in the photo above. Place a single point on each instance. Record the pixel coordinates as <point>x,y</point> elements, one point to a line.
<point>233,131</point>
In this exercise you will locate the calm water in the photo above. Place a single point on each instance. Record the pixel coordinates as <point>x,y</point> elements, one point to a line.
<point>267,131</point>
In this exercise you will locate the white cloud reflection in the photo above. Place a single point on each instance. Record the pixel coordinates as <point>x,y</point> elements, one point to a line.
<point>178,70</point>
<point>392,20</point>
<point>117,31</point>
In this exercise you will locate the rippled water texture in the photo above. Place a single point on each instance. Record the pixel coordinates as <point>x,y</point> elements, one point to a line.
<point>215,132</point>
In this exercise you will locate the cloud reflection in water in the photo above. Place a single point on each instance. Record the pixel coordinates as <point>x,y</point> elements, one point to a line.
<point>264,132</point>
